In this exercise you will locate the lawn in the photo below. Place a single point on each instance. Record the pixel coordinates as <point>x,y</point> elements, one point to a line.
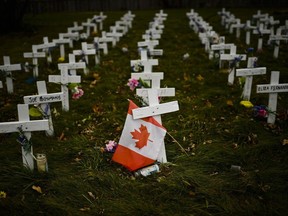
<point>211,125</point>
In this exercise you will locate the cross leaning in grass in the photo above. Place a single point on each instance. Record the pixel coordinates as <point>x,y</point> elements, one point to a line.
<point>24,126</point>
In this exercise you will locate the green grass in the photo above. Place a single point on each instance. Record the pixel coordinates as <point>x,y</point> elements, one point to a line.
<point>84,181</point>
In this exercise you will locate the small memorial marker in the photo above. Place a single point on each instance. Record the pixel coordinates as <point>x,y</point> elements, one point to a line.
<point>114,33</point>
<point>25,127</point>
<point>221,47</point>
<point>75,28</point>
<point>247,27</point>
<point>61,42</point>
<point>261,32</point>
<point>35,55</point>
<point>46,47</point>
<point>7,69</point>
<point>64,79</point>
<point>273,89</point>
<point>145,62</point>
<point>72,66</point>
<point>237,25</point>
<point>99,19</point>
<point>248,73</point>
<point>43,100</point>
<point>73,36</point>
<point>85,52</point>
<point>233,59</point>
<point>89,25</point>
<point>276,39</point>
<point>106,39</point>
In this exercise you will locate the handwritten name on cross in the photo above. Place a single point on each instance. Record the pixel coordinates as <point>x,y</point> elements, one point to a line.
<point>147,63</point>
<point>233,59</point>
<point>43,100</point>
<point>248,73</point>
<point>64,79</point>
<point>273,89</point>
<point>7,69</point>
<point>26,126</point>
<point>73,66</point>
<point>35,55</point>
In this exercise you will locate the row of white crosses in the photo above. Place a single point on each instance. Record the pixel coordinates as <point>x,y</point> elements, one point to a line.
<point>206,34</point>
<point>273,88</point>
<point>263,21</point>
<point>152,35</point>
<point>151,95</point>
<point>24,126</point>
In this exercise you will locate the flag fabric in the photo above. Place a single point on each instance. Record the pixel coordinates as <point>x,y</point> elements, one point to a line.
<point>140,141</point>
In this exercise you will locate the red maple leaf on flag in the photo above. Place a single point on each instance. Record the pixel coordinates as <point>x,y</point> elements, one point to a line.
<point>142,136</point>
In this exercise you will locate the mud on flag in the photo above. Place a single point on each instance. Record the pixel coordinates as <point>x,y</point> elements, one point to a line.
<point>140,141</point>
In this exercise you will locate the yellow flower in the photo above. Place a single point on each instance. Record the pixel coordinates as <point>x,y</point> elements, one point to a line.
<point>2,195</point>
<point>61,59</point>
<point>199,78</point>
<point>246,104</point>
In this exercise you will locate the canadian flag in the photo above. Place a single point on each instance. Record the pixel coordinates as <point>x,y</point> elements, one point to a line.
<point>140,141</point>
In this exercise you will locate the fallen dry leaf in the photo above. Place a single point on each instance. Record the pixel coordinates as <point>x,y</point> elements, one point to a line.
<point>37,188</point>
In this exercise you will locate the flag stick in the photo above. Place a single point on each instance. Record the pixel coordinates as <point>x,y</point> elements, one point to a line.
<point>177,143</point>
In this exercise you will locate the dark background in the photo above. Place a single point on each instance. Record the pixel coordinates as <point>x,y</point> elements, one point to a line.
<point>12,11</point>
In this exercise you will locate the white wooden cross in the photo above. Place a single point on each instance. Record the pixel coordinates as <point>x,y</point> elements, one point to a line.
<point>61,41</point>
<point>102,44</point>
<point>237,25</point>
<point>73,36</point>
<point>114,33</point>
<point>99,19</point>
<point>273,89</point>
<point>43,100</point>
<point>260,31</point>
<point>46,46</point>
<point>73,65</point>
<point>277,38</point>
<point>223,14</point>
<point>26,127</point>
<point>128,17</point>
<point>7,69</point>
<point>85,52</point>
<point>151,97</point>
<point>64,79</point>
<point>147,63</point>
<point>75,28</point>
<point>149,45</point>
<point>248,73</point>
<point>259,16</point>
<point>247,27</point>
<point>107,39</point>
<point>97,46</point>
<point>89,25</point>
<point>122,26</point>
<point>233,58</point>
<point>35,55</point>
<point>221,47</point>
<point>230,20</point>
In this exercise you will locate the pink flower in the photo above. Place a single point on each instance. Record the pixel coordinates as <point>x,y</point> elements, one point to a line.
<point>133,83</point>
<point>77,93</point>
<point>111,146</point>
